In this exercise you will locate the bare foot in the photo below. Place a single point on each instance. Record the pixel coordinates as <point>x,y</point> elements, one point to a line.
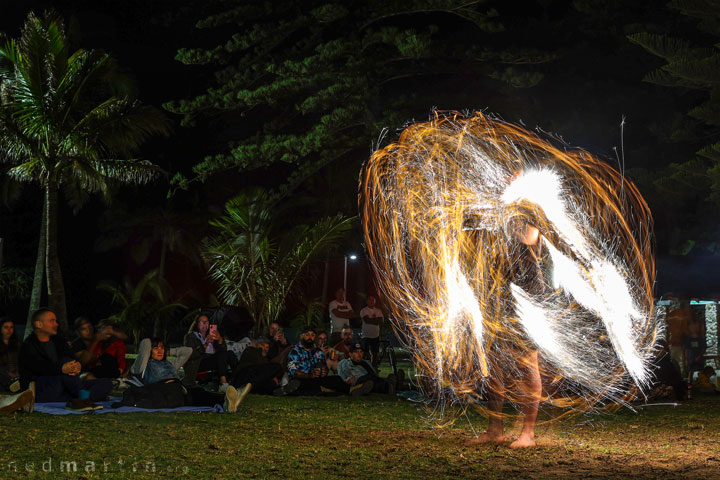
<point>487,437</point>
<point>523,441</point>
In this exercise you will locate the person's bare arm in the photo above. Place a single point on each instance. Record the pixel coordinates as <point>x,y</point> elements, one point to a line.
<point>85,357</point>
<point>344,313</point>
<point>529,235</point>
<point>118,334</point>
<point>374,320</point>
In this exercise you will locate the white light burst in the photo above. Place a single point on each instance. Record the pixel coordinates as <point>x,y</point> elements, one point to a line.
<point>441,211</point>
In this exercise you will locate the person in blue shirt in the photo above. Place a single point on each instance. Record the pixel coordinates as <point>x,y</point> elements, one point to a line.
<point>306,363</point>
<point>355,370</point>
<point>159,369</point>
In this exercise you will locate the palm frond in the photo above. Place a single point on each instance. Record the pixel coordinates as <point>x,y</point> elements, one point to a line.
<point>32,170</point>
<point>119,125</point>
<point>256,267</point>
<point>118,295</point>
<point>128,171</point>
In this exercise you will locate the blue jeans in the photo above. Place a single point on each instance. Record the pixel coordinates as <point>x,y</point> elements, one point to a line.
<point>61,388</point>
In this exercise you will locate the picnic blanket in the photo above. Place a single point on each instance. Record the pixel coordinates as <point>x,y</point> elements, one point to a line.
<point>58,408</point>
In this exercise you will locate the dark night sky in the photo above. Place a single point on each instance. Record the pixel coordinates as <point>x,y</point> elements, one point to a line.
<point>144,37</point>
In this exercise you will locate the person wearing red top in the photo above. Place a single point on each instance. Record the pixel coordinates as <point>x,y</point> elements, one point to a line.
<point>101,353</point>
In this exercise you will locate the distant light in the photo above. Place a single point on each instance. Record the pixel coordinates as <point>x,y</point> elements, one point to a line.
<point>353,257</point>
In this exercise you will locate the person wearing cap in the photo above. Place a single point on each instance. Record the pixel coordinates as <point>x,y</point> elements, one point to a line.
<point>256,367</point>
<point>306,363</point>
<point>355,370</point>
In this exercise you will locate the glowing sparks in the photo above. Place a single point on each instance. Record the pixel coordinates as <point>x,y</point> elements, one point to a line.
<point>443,210</point>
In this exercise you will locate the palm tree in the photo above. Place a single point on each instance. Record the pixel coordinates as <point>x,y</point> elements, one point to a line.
<point>66,120</point>
<point>141,304</point>
<point>258,264</point>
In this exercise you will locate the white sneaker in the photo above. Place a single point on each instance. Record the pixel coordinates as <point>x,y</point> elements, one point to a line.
<point>13,403</point>
<point>243,392</point>
<point>231,400</point>
<point>223,388</point>
<point>122,383</point>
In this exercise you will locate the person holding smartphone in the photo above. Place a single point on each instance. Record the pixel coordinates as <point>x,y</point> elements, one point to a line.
<point>209,351</point>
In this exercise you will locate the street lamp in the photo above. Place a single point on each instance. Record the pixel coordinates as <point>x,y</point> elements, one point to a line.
<point>352,256</point>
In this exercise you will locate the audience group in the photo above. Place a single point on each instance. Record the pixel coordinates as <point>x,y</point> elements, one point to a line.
<point>219,368</point>
<point>47,367</point>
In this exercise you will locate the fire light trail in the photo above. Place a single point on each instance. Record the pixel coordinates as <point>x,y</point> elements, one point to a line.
<point>441,212</point>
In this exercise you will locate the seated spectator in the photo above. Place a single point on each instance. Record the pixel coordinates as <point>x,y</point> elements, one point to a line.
<point>256,368</point>
<point>9,345</point>
<point>236,348</point>
<point>306,363</point>
<point>346,341</point>
<point>101,353</point>
<point>279,346</point>
<point>139,366</point>
<point>46,359</point>
<point>160,371</point>
<point>355,370</point>
<point>331,355</point>
<point>704,383</point>
<point>667,379</point>
<point>209,351</point>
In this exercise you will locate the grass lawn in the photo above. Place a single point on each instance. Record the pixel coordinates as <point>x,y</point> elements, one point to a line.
<point>369,437</point>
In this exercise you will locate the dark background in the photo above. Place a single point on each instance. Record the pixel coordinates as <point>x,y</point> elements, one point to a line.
<point>583,97</point>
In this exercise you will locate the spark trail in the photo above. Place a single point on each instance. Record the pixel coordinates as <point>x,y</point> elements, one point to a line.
<point>441,210</point>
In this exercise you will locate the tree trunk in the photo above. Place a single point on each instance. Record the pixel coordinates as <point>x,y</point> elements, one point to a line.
<point>326,273</point>
<point>157,325</point>
<point>161,268</point>
<point>56,289</point>
<point>37,288</point>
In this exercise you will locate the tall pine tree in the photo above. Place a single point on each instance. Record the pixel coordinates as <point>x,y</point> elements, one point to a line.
<point>692,63</point>
<point>304,84</point>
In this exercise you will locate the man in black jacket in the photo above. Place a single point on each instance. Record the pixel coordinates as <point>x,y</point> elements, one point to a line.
<point>45,358</point>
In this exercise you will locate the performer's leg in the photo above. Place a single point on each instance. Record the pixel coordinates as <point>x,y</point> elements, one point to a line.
<point>494,432</point>
<point>530,407</point>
